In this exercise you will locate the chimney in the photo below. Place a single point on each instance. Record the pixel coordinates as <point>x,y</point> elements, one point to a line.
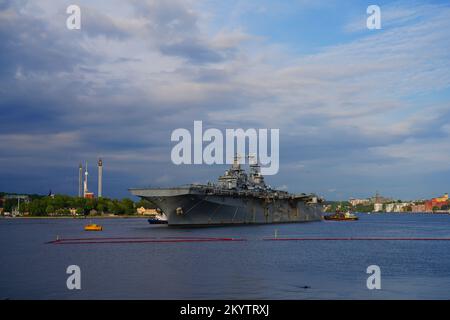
<point>80,180</point>
<point>100,176</point>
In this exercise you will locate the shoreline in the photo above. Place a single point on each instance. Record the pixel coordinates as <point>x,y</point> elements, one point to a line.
<point>148,217</point>
<point>72,217</point>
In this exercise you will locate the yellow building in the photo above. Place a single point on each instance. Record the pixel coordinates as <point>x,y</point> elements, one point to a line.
<point>442,199</point>
<point>146,212</point>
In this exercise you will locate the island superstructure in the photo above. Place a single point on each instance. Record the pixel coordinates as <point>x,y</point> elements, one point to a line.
<point>237,198</point>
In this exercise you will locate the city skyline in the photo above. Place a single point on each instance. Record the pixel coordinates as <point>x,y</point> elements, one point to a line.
<point>358,110</point>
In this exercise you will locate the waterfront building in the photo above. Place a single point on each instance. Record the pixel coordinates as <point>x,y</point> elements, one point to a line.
<point>444,198</point>
<point>146,212</point>
<point>418,208</point>
<point>355,202</point>
<point>389,207</point>
<point>378,207</point>
<point>397,207</point>
<point>89,195</point>
<point>401,207</point>
<point>437,203</point>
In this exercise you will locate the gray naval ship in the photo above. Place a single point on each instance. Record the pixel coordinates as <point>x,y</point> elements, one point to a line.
<point>237,198</point>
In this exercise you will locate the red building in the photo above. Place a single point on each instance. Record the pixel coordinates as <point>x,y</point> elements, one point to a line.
<point>437,203</point>
<point>89,195</point>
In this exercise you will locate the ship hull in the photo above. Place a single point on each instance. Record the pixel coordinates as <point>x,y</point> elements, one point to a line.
<point>186,207</point>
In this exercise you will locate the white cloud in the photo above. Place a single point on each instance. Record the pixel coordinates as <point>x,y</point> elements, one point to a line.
<point>135,72</point>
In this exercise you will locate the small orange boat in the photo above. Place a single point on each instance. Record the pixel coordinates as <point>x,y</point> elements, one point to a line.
<point>93,227</point>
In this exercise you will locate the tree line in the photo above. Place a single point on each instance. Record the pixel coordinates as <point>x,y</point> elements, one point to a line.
<point>63,204</point>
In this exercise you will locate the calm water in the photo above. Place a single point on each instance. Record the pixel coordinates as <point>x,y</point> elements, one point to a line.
<point>252,269</point>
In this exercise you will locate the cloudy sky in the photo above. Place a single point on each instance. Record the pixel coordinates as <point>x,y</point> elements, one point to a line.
<point>359,110</point>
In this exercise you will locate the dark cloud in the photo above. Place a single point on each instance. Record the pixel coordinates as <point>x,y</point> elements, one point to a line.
<point>174,27</point>
<point>117,88</point>
<point>28,44</point>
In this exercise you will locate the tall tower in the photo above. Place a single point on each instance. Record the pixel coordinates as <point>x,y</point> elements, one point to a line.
<point>80,180</point>
<point>85,181</point>
<point>100,176</point>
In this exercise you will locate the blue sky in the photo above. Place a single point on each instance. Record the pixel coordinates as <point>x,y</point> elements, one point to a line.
<point>359,110</point>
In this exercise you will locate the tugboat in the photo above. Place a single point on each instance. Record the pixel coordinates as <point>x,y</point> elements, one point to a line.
<point>160,218</point>
<point>156,221</point>
<point>341,216</point>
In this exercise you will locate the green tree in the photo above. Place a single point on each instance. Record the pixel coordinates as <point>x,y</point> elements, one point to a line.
<point>10,204</point>
<point>62,211</point>
<point>127,206</point>
<point>37,207</point>
<point>115,207</point>
<point>90,204</point>
<point>24,207</point>
<point>60,204</point>
<point>364,208</point>
<point>102,206</point>
<point>145,203</point>
<point>50,209</point>
<point>79,202</point>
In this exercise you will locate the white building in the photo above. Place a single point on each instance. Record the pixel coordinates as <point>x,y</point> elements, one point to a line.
<point>378,207</point>
<point>355,202</point>
<point>400,207</point>
<point>396,207</point>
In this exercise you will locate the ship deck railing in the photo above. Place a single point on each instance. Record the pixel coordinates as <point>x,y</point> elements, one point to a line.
<point>211,189</point>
